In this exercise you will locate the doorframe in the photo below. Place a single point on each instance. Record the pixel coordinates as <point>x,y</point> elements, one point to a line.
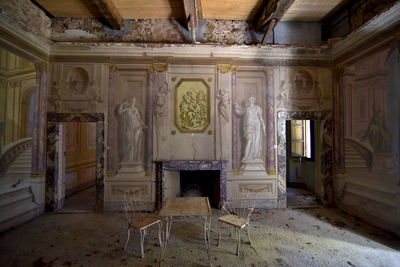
<point>53,161</point>
<point>326,153</point>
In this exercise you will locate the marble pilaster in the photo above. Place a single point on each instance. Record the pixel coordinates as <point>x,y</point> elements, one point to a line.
<point>39,121</point>
<point>111,132</point>
<point>235,159</point>
<point>148,155</point>
<point>271,162</point>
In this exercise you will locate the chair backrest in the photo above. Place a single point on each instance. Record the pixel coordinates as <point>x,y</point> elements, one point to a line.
<point>131,197</point>
<point>240,206</point>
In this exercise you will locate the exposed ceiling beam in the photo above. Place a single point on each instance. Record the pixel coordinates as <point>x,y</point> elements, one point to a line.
<point>193,13</point>
<point>110,13</point>
<point>271,26</point>
<point>271,14</point>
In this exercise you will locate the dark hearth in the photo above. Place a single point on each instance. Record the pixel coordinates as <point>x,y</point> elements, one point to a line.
<point>204,183</point>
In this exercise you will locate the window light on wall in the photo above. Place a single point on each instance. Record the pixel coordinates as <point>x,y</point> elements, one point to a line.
<point>301,138</point>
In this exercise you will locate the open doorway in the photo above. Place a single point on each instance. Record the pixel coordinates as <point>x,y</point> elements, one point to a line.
<point>303,168</point>
<point>80,166</point>
<point>56,156</point>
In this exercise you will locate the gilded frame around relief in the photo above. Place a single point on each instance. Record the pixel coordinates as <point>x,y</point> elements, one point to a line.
<point>192,105</point>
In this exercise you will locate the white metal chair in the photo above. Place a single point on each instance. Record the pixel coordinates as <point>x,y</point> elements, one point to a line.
<point>132,201</point>
<point>236,214</point>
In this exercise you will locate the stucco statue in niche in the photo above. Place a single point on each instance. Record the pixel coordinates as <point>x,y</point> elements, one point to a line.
<point>283,96</point>
<point>223,105</point>
<point>160,102</point>
<point>253,127</point>
<point>160,110</point>
<point>130,134</point>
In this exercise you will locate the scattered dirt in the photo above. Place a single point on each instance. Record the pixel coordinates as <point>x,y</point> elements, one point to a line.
<point>290,237</point>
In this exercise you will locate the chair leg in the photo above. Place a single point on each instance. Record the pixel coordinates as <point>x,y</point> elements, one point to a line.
<point>237,241</point>
<point>248,232</point>
<point>219,233</point>
<point>142,235</point>
<point>159,234</point>
<point>127,240</point>
<point>231,230</point>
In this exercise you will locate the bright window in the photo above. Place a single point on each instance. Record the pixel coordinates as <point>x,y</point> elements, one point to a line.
<point>301,138</point>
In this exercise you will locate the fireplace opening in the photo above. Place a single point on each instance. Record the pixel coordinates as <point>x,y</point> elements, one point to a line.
<point>204,183</point>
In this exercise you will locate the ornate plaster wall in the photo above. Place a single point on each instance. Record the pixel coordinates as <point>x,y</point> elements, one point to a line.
<point>27,16</point>
<point>368,185</point>
<point>161,91</point>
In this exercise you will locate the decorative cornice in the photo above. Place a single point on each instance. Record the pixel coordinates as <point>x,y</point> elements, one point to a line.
<point>224,68</point>
<point>23,43</point>
<point>38,176</point>
<point>110,174</point>
<point>236,173</point>
<point>112,68</point>
<point>159,67</point>
<point>269,71</point>
<point>40,66</point>
<point>376,33</point>
<point>120,53</point>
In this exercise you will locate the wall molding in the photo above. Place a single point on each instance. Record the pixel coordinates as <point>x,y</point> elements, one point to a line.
<point>375,34</point>
<point>22,43</point>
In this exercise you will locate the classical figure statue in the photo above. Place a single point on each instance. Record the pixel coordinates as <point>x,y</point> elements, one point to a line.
<point>160,101</point>
<point>223,104</point>
<point>253,125</point>
<point>130,131</point>
<point>377,133</point>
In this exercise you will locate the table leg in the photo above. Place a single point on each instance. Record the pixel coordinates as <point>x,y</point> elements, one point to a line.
<point>166,229</point>
<point>207,227</point>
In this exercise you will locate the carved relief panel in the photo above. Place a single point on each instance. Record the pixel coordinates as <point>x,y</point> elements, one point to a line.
<point>191,117</point>
<point>192,105</point>
<point>77,88</point>
<point>304,89</point>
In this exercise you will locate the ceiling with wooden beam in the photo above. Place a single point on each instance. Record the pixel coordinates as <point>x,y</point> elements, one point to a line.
<point>300,10</point>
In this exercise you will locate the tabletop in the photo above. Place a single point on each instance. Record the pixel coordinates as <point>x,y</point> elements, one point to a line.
<point>186,206</point>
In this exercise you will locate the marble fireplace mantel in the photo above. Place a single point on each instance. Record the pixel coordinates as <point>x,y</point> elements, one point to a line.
<point>191,165</point>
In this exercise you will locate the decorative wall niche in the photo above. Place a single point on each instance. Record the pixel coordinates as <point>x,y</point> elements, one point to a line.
<point>76,88</point>
<point>77,82</point>
<point>304,89</point>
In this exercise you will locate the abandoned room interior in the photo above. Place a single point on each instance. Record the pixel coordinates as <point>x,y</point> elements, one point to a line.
<point>236,133</point>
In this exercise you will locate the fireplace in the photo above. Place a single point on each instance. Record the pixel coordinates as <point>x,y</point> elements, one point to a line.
<point>204,183</point>
<point>196,176</point>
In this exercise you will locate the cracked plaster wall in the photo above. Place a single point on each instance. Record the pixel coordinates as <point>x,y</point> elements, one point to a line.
<point>153,31</point>
<point>27,16</point>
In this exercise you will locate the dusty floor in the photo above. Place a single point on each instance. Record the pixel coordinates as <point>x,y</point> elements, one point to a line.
<point>307,236</point>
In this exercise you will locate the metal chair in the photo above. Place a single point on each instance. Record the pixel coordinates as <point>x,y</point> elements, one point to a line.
<point>132,203</point>
<point>236,214</point>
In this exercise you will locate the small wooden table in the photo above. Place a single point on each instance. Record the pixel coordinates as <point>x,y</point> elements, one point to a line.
<point>184,209</point>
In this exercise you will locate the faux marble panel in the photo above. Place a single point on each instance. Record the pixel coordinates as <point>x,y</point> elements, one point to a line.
<point>235,160</point>
<point>51,166</point>
<point>148,165</point>
<point>100,164</point>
